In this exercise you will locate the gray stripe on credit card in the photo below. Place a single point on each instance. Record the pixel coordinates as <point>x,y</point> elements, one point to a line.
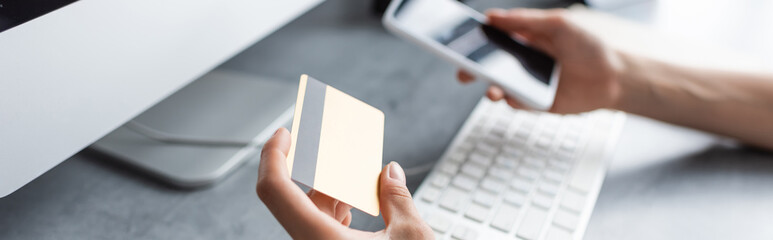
<point>309,130</point>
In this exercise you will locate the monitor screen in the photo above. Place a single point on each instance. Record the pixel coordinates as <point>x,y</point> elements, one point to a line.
<point>15,12</point>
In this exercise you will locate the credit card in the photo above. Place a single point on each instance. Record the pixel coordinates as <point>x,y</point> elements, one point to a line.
<point>337,145</point>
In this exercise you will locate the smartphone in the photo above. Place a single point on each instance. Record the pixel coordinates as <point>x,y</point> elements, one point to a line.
<point>460,35</point>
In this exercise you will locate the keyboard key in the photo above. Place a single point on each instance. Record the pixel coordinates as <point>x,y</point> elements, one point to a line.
<point>457,157</point>
<point>532,223</point>
<point>544,142</point>
<point>466,146</point>
<point>553,175</point>
<point>549,132</point>
<point>493,140</point>
<point>513,152</point>
<point>503,122</point>
<point>464,182</point>
<point>501,174</point>
<point>501,126</point>
<point>484,198</point>
<point>470,142</point>
<point>449,168</point>
<point>534,163</point>
<point>506,162</point>
<point>480,159</point>
<point>527,173</point>
<point>569,145</point>
<point>541,153</point>
<point>564,156</point>
<point>499,133</point>
<point>441,180</point>
<point>521,185</point>
<point>559,165</point>
<point>548,188</point>
<point>430,194</point>
<point>463,233</point>
<point>542,200</point>
<point>504,218</point>
<point>477,212</point>
<point>477,129</point>
<point>453,200</point>
<point>574,132</point>
<point>515,198</point>
<point>558,234</point>
<point>473,170</point>
<point>573,201</point>
<point>488,147</point>
<point>492,185</point>
<point>439,223</point>
<point>566,220</point>
<point>522,133</point>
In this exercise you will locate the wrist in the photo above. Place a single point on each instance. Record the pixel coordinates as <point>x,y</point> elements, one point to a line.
<point>630,87</point>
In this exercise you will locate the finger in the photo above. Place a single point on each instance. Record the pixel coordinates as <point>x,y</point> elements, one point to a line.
<point>529,20</point>
<point>465,77</point>
<point>279,142</point>
<point>329,205</point>
<point>343,211</point>
<point>541,42</point>
<point>512,102</point>
<point>524,37</point>
<point>495,93</point>
<point>539,27</point>
<point>347,220</point>
<point>286,201</point>
<point>325,203</point>
<point>394,198</point>
<point>400,215</point>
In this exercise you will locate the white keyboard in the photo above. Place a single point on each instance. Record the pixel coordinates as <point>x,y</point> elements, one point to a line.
<point>513,174</point>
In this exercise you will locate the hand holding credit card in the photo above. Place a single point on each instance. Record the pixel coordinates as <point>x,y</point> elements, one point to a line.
<point>336,145</point>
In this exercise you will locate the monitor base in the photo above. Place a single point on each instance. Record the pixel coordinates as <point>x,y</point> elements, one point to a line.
<point>219,105</point>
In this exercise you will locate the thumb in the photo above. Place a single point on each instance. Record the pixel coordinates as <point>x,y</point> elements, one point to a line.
<point>394,198</point>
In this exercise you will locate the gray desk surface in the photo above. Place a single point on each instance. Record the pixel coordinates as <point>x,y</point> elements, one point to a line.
<point>665,183</point>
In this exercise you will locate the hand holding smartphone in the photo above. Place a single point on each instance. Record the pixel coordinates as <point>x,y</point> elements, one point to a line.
<point>459,34</point>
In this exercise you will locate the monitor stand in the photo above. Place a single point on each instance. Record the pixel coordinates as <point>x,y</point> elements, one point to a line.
<point>220,105</point>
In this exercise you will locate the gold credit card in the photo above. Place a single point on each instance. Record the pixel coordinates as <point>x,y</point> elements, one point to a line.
<point>337,145</point>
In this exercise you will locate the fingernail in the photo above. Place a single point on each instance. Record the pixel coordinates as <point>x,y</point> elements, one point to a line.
<point>396,172</point>
<point>277,131</point>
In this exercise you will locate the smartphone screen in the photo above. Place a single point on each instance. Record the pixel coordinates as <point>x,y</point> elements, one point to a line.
<point>452,25</point>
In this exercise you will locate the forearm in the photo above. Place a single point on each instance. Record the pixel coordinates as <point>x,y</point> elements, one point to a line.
<point>738,105</point>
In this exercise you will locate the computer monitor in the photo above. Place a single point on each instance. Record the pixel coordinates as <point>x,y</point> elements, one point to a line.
<point>73,71</point>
